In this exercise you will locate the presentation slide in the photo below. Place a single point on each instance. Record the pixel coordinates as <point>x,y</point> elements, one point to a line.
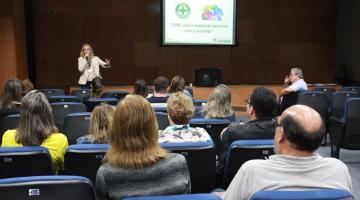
<point>198,22</point>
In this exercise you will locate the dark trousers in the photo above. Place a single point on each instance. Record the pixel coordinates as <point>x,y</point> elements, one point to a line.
<point>86,86</point>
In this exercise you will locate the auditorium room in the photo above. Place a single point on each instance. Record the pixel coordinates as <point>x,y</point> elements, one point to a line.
<point>180,99</point>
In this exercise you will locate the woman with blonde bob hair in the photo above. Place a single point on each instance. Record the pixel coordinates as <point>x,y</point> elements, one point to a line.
<point>37,128</point>
<point>181,109</point>
<point>219,104</point>
<point>101,118</point>
<point>135,164</point>
<point>89,66</point>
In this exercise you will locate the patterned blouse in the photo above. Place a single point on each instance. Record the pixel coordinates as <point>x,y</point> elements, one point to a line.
<point>183,133</point>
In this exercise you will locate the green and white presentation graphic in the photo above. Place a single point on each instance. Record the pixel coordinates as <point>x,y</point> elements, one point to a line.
<point>199,22</point>
<point>182,10</point>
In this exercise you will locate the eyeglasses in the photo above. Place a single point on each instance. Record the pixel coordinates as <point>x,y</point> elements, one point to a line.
<point>86,49</point>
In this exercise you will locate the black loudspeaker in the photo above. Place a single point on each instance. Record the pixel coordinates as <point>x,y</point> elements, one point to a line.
<point>207,77</point>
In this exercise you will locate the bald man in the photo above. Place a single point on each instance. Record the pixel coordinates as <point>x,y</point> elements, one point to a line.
<point>298,133</point>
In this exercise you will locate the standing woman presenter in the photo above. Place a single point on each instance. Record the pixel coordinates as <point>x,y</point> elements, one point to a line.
<point>88,65</point>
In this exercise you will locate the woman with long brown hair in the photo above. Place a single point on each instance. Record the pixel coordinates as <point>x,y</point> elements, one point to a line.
<point>37,128</point>
<point>135,164</point>
<point>11,94</point>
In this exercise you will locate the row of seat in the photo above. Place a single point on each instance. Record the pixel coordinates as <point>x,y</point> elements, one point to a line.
<point>85,159</point>
<point>80,188</point>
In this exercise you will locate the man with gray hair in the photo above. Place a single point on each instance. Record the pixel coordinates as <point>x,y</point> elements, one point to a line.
<point>298,133</point>
<point>294,82</point>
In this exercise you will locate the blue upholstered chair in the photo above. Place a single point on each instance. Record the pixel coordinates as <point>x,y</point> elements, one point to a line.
<point>63,98</point>
<point>83,94</point>
<point>241,151</point>
<point>91,103</point>
<point>24,161</point>
<point>84,159</point>
<point>162,120</point>
<point>214,128</point>
<point>345,131</point>
<point>320,194</point>
<point>8,122</point>
<point>76,125</point>
<point>201,160</point>
<point>350,88</point>
<point>47,188</point>
<point>52,92</point>
<point>61,109</point>
<point>115,94</point>
<point>178,197</point>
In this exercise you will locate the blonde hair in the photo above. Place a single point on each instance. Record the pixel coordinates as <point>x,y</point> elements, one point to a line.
<point>180,108</point>
<point>101,118</point>
<point>219,103</point>
<point>133,135</point>
<point>82,54</point>
<point>36,120</point>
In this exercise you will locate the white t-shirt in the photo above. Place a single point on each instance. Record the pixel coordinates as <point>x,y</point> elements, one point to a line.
<point>299,85</point>
<point>281,172</point>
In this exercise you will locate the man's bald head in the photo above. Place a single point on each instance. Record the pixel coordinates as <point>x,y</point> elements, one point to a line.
<point>303,127</point>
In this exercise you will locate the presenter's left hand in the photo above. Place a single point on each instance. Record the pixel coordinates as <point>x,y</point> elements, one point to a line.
<point>107,61</point>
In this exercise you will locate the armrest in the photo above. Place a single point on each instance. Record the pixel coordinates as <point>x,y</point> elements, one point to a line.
<point>336,130</point>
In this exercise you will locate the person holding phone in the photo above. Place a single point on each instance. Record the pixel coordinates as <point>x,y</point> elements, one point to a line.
<point>88,65</point>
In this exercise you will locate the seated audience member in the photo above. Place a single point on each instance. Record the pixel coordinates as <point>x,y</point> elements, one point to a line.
<point>135,164</point>
<point>178,85</point>
<point>141,88</point>
<point>37,128</point>
<point>11,95</point>
<point>27,86</point>
<point>298,133</point>
<point>219,104</point>
<point>260,108</point>
<point>101,118</point>
<point>161,84</point>
<point>96,88</point>
<point>294,82</point>
<point>180,109</point>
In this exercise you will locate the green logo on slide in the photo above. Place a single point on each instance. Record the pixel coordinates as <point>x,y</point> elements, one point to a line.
<point>182,10</point>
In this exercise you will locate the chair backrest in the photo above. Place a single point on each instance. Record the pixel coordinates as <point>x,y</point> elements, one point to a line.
<point>328,92</point>
<point>63,98</point>
<point>351,139</point>
<point>350,88</point>
<point>203,196</point>
<point>47,188</point>
<point>83,94</point>
<point>116,94</point>
<point>52,92</point>
<point>76,125</point>
<point>24,161</point>
<point>319,194</point>
<point>315,100</point>
<point>91,103</point>
<point>288,100</point>
<point>200,102</point>
<point>338,102</point>
<point>201,160</point>
<point>84,159</point>
<point>8,122</point>
<point>241,151</point>
<point>61,109</point>
<point>162,120</point>
<point>214,127</point>
<point>9,111</point>
<point>159,108</point>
